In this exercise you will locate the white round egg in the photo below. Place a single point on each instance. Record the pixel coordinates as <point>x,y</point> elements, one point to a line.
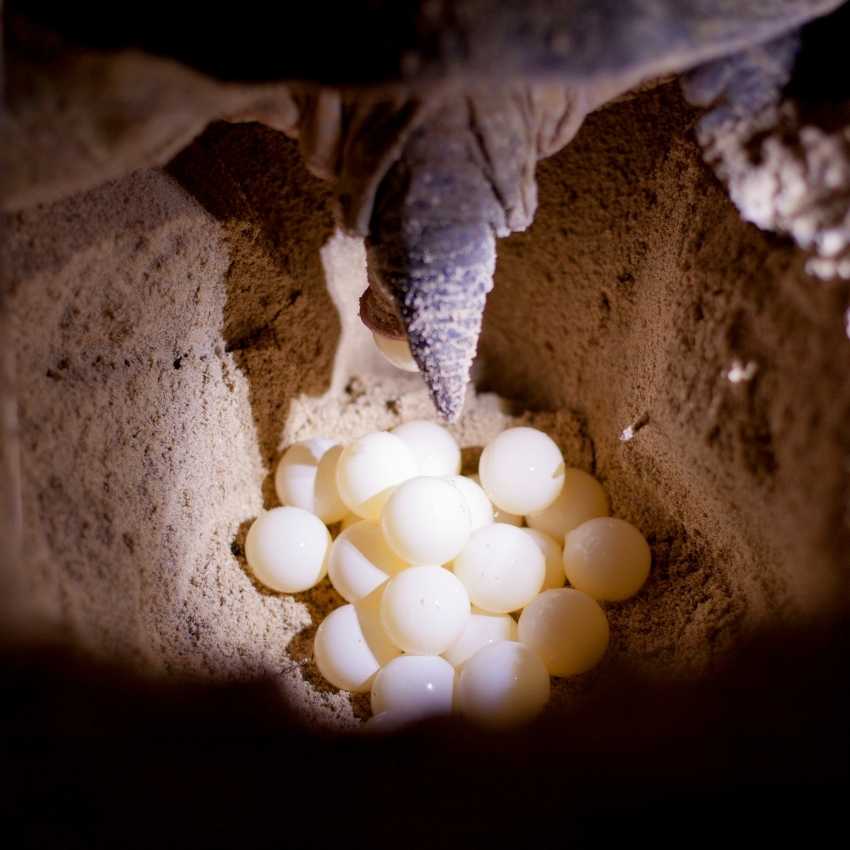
<point>522,470</point>
<point>582,498</point>
<point>297,471</point>
<point>351,646</point>
<point>369,469</point>
<point>501,567</point>
<point>426,521</point>
<point>396,351</point>
<point>503,684</point>
<point>607,558</point>
<point>567,629</point>
<point>414,686</point>
<point>360,560</point>
<point>424,609</point>
<point>480,508</point>
<point>553,556</point>
<point>287,548</point>
<point>481,630</point>
<point>328,504</point>
<point>435,449</point>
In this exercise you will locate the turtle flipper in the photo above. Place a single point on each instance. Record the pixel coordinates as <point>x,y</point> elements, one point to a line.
<point>782,174</point>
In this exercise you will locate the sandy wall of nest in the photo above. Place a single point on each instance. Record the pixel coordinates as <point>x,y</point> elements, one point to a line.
<point>173,331</point>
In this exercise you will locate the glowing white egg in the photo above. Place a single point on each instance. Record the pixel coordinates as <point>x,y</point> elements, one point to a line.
<point>435,449</point>
<point>607,558</point>
<point>415,686</point>
<point>424,609</point>
<point>295,476</point>
<point>351,646</point>
<point>522,470</point>
<point>369,469</point>
<point>567,629</point>
<point>581,499</point>
<point>328,504</point>
<point>481,630</point>
<point>287,548</point>
<point>480,508</point>
<point>501,567</point>
<point>360,560</point>
<point>503,684</point>
<point>553,556</point>
<point>426,521</point>
<point>396,351</point>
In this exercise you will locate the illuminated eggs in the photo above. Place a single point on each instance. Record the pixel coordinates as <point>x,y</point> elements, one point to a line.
<point>522,470</point>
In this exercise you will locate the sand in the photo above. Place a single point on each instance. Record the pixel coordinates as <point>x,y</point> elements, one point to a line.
<point>174,331</point>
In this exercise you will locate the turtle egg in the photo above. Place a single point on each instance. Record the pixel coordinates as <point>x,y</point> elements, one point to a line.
<point>306,478</point>
<point>426,521</point>
<point>351,645</point>
<point>481,630</point>
<point>414,686</point>
<point>287,549</point>
<point>567,629</point>
<point>552,555</point>
<point>522,470</point>
<point>360,560</point>
<point>435,449</point>
<point>581,499</point>
<point>501,567</point>
<point>369,468</point>
<point>328,504</point>
<point>424,610</point>
<point>503,684</point>
<point>480,508</point>
<point>607,558</point>
<point>396,351</point>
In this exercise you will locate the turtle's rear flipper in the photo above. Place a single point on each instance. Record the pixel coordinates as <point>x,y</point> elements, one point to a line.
<point>782,174</point>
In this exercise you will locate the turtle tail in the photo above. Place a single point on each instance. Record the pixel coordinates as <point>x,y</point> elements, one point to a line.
<point>431,254</point>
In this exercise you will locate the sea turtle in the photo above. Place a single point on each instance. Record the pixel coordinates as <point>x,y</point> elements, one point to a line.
<point>432,148</point>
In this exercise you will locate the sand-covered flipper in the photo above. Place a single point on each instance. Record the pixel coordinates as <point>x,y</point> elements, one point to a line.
<point>783,173</point>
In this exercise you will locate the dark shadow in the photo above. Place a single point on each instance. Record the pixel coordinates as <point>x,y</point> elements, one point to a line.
<point>766,734</point>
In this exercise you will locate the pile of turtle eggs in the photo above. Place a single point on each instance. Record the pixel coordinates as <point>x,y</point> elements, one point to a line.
<point>436,566</point>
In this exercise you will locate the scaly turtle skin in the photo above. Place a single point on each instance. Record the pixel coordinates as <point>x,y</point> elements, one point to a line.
<point>429,118</point>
